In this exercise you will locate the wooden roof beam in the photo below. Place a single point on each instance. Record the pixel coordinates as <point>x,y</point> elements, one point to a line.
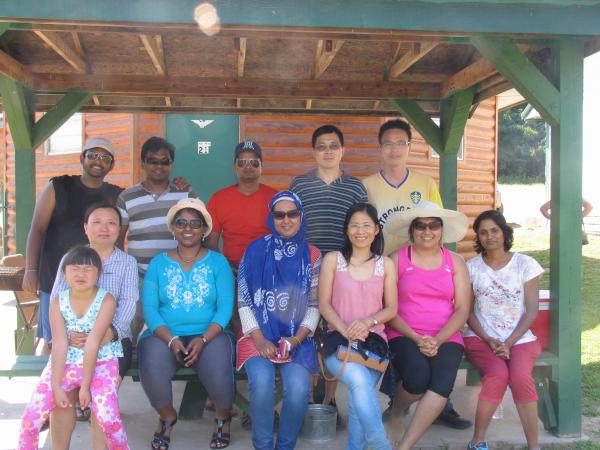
<point>417,51</point>
<point>66,52</point>
<point>217,87</point>
<point>155,50</point>
<point>240,47</point>
<point>11,68</point>
<point>326,51</point>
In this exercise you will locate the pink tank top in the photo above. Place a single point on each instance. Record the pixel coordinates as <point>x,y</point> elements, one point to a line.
<point>425,297</point>
<point>355,299</point>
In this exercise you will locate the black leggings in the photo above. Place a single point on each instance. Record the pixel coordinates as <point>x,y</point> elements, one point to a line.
<point>420,373</point>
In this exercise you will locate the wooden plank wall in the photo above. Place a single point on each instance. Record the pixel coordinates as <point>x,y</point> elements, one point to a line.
<point>126,132</point>
<point>286,145</point>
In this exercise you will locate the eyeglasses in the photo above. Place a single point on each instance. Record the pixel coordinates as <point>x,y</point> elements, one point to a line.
<point>433,226</point>
<point>194,223</point>
<point>389,145</point>
<point>95,156</point>
<point>361,226</point>
<point>280,215</point>
<point>158,162</point>
<point>255,163</point>
<point>334,146</point>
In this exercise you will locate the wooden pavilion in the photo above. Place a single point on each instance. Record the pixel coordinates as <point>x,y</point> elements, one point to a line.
<point>417,58</point>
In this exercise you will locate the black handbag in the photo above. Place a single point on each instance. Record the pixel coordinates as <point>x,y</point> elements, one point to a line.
<point>373,352</point>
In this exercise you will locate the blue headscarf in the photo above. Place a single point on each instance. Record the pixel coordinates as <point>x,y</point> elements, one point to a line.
<point>274,280</point>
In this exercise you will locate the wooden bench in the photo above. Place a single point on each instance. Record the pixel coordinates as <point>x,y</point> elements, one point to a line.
<point>194,396</point>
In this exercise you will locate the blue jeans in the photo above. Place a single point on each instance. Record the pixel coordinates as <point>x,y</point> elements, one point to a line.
<point>296,393</point>
<point>365,428</point>
<point>43,324</point>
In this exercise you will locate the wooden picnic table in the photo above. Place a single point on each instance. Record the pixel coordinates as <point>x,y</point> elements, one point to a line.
<point>11,278</point>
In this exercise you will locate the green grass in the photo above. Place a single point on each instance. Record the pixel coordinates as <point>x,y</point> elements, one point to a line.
<point>535,242</point>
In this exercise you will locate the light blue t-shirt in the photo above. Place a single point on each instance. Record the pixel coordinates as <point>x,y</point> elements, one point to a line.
<point>187,302</point>
<point>84,324</point>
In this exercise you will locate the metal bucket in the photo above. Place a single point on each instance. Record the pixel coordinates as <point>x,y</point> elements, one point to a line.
<point>319,423</point>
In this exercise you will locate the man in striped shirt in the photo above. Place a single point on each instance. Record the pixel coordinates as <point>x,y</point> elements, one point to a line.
<point>327,192</point>
<point>144,206</point>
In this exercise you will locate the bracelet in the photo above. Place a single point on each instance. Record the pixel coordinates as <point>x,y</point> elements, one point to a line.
<point>203,339</point>
<point>375,321</point>
<point>171,341</point>
<point>298,341</point>
<point>31,270</point>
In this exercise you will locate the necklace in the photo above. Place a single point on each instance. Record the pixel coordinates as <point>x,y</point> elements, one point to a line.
<point>188,260</point>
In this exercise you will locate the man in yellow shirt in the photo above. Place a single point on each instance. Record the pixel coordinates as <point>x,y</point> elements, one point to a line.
<point>392,190</point>
<point>396,188</point>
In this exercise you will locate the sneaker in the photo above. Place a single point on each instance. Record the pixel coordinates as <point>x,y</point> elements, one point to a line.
<point>452,419</point>
<point>479,446</point>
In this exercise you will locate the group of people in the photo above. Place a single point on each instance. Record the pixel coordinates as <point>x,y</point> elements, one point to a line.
<point>366,257</point>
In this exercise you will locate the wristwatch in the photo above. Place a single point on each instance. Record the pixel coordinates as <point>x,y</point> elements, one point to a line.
<point>375,321</point>
<point>203,339</point>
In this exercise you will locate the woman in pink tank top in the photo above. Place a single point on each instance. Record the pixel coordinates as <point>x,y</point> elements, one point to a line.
<point>433,304</point>
<point>357,295</point>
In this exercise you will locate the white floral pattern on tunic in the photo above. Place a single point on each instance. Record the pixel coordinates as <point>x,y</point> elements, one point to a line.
<point>189,290</point>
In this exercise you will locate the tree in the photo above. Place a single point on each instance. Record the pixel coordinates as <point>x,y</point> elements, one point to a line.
<point>521,148</point>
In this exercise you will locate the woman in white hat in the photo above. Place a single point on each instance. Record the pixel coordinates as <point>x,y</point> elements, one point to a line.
<point>187,299</point>
<point>434,299</point>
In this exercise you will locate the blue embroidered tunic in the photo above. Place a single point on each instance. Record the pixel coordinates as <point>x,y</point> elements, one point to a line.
<point>187,302</point>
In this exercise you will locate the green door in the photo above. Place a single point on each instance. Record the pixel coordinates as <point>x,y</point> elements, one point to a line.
<point>205,147</point>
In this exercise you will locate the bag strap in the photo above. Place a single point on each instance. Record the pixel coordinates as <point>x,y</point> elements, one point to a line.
<point>341,369</point>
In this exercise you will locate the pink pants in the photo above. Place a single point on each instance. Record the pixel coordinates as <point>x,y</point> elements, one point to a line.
<point>105,404</point>
<point>498,373</point>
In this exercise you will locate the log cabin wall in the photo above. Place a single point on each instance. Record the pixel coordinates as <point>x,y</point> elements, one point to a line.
<point>126,132</point>
<point>286,144</point>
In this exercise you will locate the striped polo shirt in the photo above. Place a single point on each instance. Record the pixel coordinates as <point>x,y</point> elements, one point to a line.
<point>146,215</point>
<point>325,206</point>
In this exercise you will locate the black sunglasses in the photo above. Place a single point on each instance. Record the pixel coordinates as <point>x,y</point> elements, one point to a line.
<point>194,223</point>
<point>158,162</point>
<point>433,226</point>
<point>255,163</point>
<point>95,156</point>
<point>280,215</point>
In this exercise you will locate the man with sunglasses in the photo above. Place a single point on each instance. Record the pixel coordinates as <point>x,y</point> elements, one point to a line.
<point>144,207</point>
<point>393,190</point>
<point>57,223</point>
<point>239,212</point>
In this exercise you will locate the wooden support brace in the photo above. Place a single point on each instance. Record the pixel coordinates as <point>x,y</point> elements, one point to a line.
<point>326,51</point>
<point>16,101</point>
<point>522,74</point>
<point>240,48</point>
<point>417,51</point>
<point>60,46</point>
<point>154,48</point>
<point>11,68</point>
<point>421,121</point>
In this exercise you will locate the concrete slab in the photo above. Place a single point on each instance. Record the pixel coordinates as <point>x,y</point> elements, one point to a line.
<point>140,419</point>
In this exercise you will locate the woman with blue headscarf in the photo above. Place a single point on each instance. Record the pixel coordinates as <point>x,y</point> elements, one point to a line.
<point>277,302</point>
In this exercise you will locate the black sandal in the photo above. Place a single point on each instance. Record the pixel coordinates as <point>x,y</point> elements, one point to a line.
<point>220,439</point>
<point>160,441</point>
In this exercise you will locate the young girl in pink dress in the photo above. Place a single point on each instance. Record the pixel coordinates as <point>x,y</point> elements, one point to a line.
<point>94,369</point>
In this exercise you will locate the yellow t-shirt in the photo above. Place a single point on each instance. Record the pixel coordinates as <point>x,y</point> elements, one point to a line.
<point>389,199</point>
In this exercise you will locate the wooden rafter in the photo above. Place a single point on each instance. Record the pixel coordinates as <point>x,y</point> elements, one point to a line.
<point>11,68</point>
<point>155,50</point>
<point>240,48</point>
<point>64,49</point>
<point>326,51</point>
<point>145,85</point>
<point>417,51</point>
<point>78,45</point>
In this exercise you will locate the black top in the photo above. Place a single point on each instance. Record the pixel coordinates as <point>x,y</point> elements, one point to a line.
<point>65,229</point>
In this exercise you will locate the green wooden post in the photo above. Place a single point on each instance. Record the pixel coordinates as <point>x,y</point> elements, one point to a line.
<point>565,239</point>
<point>17,101</point>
